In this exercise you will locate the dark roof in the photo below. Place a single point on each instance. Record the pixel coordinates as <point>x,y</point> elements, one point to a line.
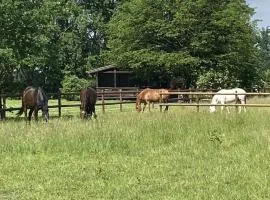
<point>100,69</point>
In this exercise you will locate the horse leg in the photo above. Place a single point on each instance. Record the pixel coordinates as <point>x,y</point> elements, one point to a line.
<point>30,114</point>
<point>243,104</point>
<point>94,111</point>
<point>223,104</point>
<point>167,107</point>
<point>228,109</point>
<point>222,107</point>
<point>144,105</point>
<point>25,112</point>
<point>36,113</point>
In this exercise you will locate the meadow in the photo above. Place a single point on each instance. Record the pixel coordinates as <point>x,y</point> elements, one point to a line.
<point>181,154</point>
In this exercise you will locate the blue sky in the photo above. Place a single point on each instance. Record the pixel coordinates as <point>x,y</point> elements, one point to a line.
<point>262,9</point>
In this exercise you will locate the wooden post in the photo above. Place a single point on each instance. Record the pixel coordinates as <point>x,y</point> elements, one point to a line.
<point>114,78</point>
<point>160,101</point>
<point>1,114</point>
<point>178,95</point>
<point>120,98</point>
<point>198,102</point>
<point>59,103</point>
<point>236,101</point>
<point>102,101</point>
<point>4,107</point>
<point>97,80</point>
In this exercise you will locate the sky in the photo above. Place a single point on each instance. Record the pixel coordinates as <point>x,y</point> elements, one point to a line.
<point>262,9</point>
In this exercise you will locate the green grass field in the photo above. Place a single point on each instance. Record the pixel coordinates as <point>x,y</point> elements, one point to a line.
<point>181,154</point>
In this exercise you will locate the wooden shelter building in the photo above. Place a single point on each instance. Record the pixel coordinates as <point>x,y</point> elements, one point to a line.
<point>110,76</point>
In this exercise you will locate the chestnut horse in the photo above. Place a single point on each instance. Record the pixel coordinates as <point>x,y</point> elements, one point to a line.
<point>34,99</point>
<point>88,98</point>
<point>148,96</point>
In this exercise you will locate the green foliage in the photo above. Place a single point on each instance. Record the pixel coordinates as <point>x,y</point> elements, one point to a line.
<point>53,37</point>
<point>7,66</point>
<point>214,80</point>
<point>263,45</point>
<point>266,79</point>
<point>72,83</point>
<point>159,39</point>
<point>185,38</point>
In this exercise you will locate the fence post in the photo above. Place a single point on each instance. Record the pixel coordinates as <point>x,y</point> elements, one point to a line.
<point>190,96</point>
<point>102,101</point>
<point>236,100</point>
<point>4,107</point>
<point>178,95</point>
<point>59,103</point>
<point>120,98</point>
<point>198,102</point>
<point>1,114</point>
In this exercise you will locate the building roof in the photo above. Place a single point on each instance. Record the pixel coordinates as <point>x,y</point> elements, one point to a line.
<point>100,69</point>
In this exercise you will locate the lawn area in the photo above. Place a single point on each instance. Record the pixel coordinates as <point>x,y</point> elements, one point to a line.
<point>182,154</point>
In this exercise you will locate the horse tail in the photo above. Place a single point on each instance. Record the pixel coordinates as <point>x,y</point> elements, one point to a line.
<point>20,112</point>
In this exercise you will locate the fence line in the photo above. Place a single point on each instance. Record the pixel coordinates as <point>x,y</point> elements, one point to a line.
<point>198,96</point>
<point>121,97</point>
<point>128,96</point>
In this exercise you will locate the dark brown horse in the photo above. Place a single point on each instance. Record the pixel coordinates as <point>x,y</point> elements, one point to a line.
<point>88,99</point>
<point>34,99</point>
<point>148,96</point>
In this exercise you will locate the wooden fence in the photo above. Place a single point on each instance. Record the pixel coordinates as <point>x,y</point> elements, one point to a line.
<point>121,97</point>
<point>199,98</point>
<point>106,97</point>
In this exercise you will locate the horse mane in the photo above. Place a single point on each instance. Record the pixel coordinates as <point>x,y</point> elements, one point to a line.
<point>40,94</point>
<point>42,98</point>
<point>138,98</point>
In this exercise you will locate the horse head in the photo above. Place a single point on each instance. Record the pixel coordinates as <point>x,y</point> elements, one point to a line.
<point>138,102</point>
<point>42,102</point>
<point>138,105</point>
<point>45,113</point>
<point>83,114</point>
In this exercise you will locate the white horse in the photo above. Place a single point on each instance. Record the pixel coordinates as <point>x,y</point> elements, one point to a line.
<point>228,96</point>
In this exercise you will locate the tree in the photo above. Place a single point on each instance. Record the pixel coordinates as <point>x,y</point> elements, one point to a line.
<point>263,45</point>
<point>47,38</point>
<point>186,39</point>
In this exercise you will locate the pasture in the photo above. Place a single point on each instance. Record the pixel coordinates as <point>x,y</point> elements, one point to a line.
<point>181,154</point>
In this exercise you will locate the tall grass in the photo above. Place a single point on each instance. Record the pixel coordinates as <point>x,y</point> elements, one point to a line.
<point>181,154</point>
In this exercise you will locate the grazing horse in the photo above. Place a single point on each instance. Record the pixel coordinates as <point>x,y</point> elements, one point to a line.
<point>88,98</point>
<point>228,96</point>
<point>34,99</point>
<point>148,96</point>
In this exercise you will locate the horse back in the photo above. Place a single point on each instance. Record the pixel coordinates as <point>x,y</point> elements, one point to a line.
<point>153,95</point>
<point>30,96</point>
<point>88,97</point>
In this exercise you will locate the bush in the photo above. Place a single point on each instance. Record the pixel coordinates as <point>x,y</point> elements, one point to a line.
<point>212,79</point>
<point>72,83</point>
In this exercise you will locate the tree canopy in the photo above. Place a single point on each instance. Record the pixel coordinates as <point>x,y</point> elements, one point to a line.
<point>209,43</point>
<point>206,43</point>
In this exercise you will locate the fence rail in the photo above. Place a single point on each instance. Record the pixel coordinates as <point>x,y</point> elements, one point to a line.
<point>105,97</point>
<point>198,98</point>
<point>122,97</point>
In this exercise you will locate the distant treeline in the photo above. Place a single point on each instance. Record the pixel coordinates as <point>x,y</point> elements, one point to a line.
<point>200,43</point>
